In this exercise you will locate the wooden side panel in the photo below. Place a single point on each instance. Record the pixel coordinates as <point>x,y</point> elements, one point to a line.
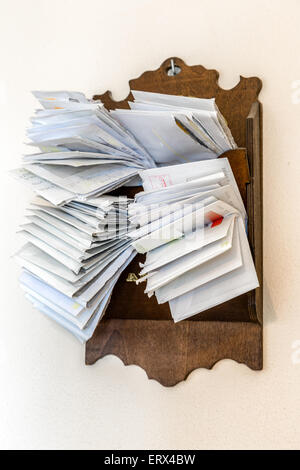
<point>255,204</point>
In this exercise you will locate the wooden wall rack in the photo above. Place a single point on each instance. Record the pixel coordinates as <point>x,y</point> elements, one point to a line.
<point>137,329</point>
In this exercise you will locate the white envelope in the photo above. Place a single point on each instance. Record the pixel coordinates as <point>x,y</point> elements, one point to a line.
<point>197,268</point>
<point>166,254</point>
<point>219,290</point>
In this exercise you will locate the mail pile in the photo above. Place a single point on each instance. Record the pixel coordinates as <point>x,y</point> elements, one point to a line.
<point>191,223</point>
<point>189,220</point>
<point>73,257</point>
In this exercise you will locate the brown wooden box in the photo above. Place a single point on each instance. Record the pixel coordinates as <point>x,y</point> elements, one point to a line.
<point>137,329</point>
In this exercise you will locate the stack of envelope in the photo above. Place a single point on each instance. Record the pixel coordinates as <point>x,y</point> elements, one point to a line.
<point>83,151</point>
<point>72,259</point>
<point>192,227</point>
<point>176,129</point>
<point>79,238</point>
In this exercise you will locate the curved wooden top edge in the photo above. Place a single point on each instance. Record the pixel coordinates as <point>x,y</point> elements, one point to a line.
<point>166,64</point>
<point>110,102</point>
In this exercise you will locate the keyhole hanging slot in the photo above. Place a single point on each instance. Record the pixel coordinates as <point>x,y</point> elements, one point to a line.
<point>174,69</point>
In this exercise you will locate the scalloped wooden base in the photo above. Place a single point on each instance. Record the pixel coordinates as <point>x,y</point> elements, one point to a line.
<point>137,329</point>
<point>169,352</point>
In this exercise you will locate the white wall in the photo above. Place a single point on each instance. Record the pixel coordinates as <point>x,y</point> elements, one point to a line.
<point>48,398</point>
